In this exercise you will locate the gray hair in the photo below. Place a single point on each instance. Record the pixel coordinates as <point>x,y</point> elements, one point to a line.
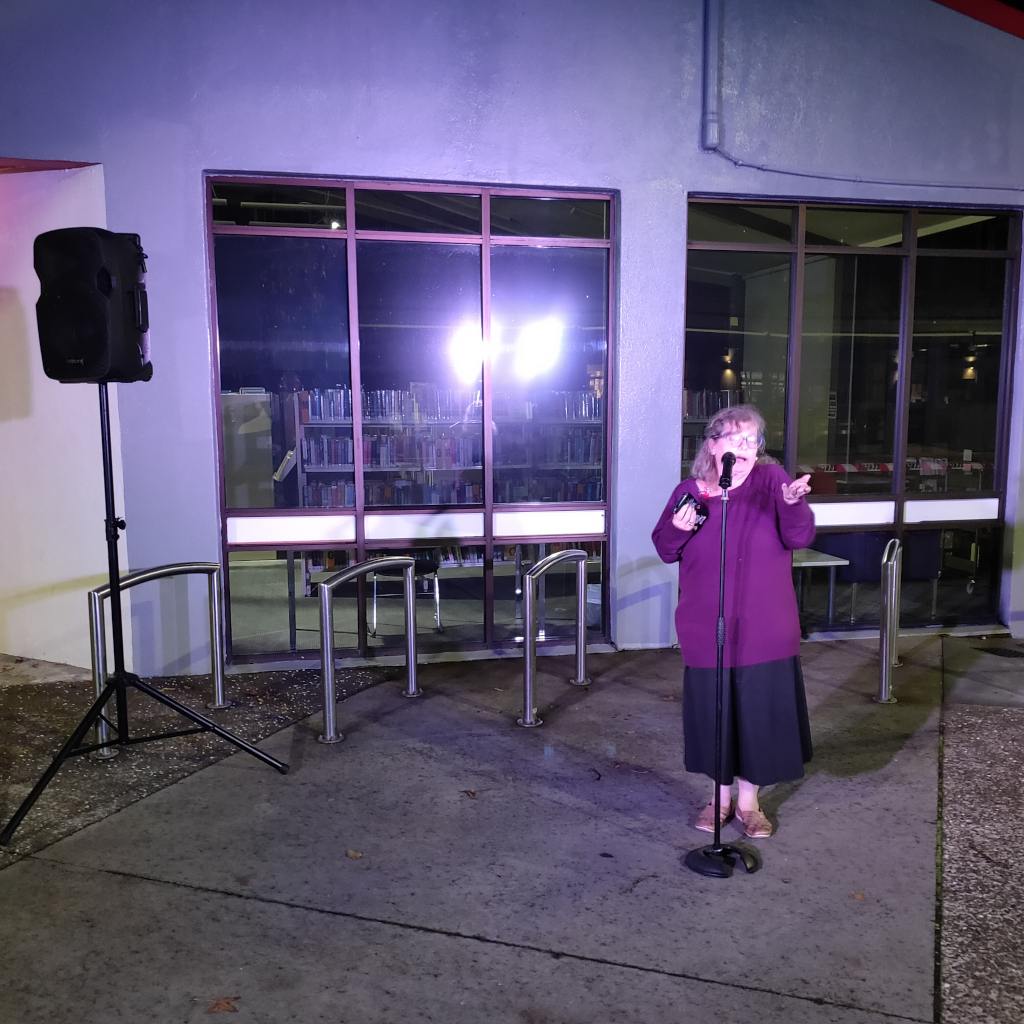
<point>728,421</point>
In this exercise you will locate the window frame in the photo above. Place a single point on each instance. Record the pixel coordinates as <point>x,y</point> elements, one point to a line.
<point>229,518</point>
<point>908,254</point>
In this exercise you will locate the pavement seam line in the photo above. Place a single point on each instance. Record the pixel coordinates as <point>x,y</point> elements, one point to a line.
<point>447,933</point>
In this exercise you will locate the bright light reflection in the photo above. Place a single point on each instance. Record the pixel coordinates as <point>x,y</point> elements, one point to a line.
<point>538,347</point>
<point>466,351</point>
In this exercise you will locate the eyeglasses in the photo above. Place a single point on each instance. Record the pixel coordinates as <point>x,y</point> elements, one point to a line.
<point>740,441</point>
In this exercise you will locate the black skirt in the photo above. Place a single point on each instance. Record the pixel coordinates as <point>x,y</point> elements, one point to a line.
<point>766,737</point>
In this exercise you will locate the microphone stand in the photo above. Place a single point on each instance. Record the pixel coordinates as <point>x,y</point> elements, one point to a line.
<point>718,859</point>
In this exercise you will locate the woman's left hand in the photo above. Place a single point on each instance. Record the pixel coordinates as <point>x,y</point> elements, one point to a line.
<point>792,493</point>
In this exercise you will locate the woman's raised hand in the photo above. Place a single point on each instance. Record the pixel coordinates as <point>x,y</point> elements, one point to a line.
<point>685,518</point>
<point>792,493</point>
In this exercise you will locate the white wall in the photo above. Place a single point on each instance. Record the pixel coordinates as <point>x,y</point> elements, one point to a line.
<point>52,542</point>
<point>572,93</point>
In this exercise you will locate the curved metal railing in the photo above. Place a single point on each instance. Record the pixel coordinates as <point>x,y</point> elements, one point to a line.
<point>98,633</point>
<point>530,580</point>
<point>327,588</point>
<point>889,624</point>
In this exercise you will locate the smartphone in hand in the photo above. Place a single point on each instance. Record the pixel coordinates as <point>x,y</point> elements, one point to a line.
<point>698,507</point>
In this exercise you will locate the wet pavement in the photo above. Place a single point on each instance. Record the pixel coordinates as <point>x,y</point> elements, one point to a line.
<point>442,864</point>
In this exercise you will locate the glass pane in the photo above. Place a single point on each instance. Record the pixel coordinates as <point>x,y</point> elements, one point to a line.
<point>873,228</point>
<point>954,377</point>
<point>285,206</point>
<point>963,229</point>
<point>270,617</point>
<point>727,222</point>
<point>556,607</point>
<point>282,317</point>
<point>449,598</point>
<point>549,334</point>
<point>421,354</point>
<point>737,334</point>
<point>950,577</point>
<point>386,210</point>
<point>848,372</point>
<point>549,218</point>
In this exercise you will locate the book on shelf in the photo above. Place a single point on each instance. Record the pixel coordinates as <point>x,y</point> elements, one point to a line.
<point>320,404</point>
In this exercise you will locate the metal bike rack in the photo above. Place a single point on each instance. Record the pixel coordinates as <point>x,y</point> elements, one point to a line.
<point>889,624</point>
<point>327,588</point>
<point>530,583</point>
<point>98,633</point>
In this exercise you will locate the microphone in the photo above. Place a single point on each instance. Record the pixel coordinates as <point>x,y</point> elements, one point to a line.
<point>725,480</point>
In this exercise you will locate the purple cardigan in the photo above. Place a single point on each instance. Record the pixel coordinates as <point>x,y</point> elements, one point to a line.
<point>761,619</point>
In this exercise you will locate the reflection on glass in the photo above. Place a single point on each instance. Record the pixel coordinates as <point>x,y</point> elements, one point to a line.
<point>389,210</point>
<point>556,604</point>
<point>950,577</point>
<point>282,206</point>
<point>421,356</point>
<point>549,339</point>
<point>727,222</point>
<point>274,603</point>
<point>848,372</point>
<point>963,229</point>
<point>549,218</point>
<point>449,598</point>
<point>954,379</point>
<point>286,402</point>
<point>737,330</point>
<point>871,228</point>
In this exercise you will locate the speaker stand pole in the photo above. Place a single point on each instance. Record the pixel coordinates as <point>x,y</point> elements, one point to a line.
<point>718,859</point>
<point>117,684</point>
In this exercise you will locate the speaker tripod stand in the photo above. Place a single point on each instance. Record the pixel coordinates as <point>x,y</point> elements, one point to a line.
<point>120,680</point>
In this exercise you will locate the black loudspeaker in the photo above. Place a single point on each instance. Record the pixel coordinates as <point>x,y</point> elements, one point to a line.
<point>92,312</point>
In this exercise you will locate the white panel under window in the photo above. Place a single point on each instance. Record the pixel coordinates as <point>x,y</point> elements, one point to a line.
<point>853,513</point>
<point>947,510</point>
<point>287,530</point>
<point>550,523</point>
<point>425,526</point>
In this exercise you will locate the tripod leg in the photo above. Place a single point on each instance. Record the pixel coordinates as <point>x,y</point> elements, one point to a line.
<point>73,741</point>
<point>211,726</point>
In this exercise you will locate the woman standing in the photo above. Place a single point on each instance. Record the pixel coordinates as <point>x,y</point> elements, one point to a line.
<point>765,733</point>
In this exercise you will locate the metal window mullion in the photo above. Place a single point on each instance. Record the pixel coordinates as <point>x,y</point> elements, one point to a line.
<point>218,414</point>
<point>487,416</point>
<point>356,381</point>
<point>796,326</point>
<point>903,369</point>
<point>609,432</point>
<point>1006,363</point>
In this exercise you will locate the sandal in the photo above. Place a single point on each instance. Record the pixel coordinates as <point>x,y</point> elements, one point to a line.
<point>755,824</point>
<point>706,819</point>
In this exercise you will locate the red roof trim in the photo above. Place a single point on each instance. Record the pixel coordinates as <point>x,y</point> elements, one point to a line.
<point>992,12</point>
<point>9,164</point>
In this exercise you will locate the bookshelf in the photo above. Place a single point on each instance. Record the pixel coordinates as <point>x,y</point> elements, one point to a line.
<point>552,450</point>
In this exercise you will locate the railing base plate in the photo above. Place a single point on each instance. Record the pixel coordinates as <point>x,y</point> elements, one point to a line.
<point>878,700</point>
<point>581,682</point>
<point>324,739</point>
<point>214,706</point>
<point>530,725</point>
<point>415,693</point>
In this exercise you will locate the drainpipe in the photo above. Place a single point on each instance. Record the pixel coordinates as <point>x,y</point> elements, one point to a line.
<point>709,124</point>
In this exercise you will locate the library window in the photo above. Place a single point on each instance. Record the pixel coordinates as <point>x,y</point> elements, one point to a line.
<point>396,364</point>
<point>875,342</point>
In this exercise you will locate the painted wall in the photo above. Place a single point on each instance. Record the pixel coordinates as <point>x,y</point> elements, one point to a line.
<point>52,545</point>
<point>575,93</point>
